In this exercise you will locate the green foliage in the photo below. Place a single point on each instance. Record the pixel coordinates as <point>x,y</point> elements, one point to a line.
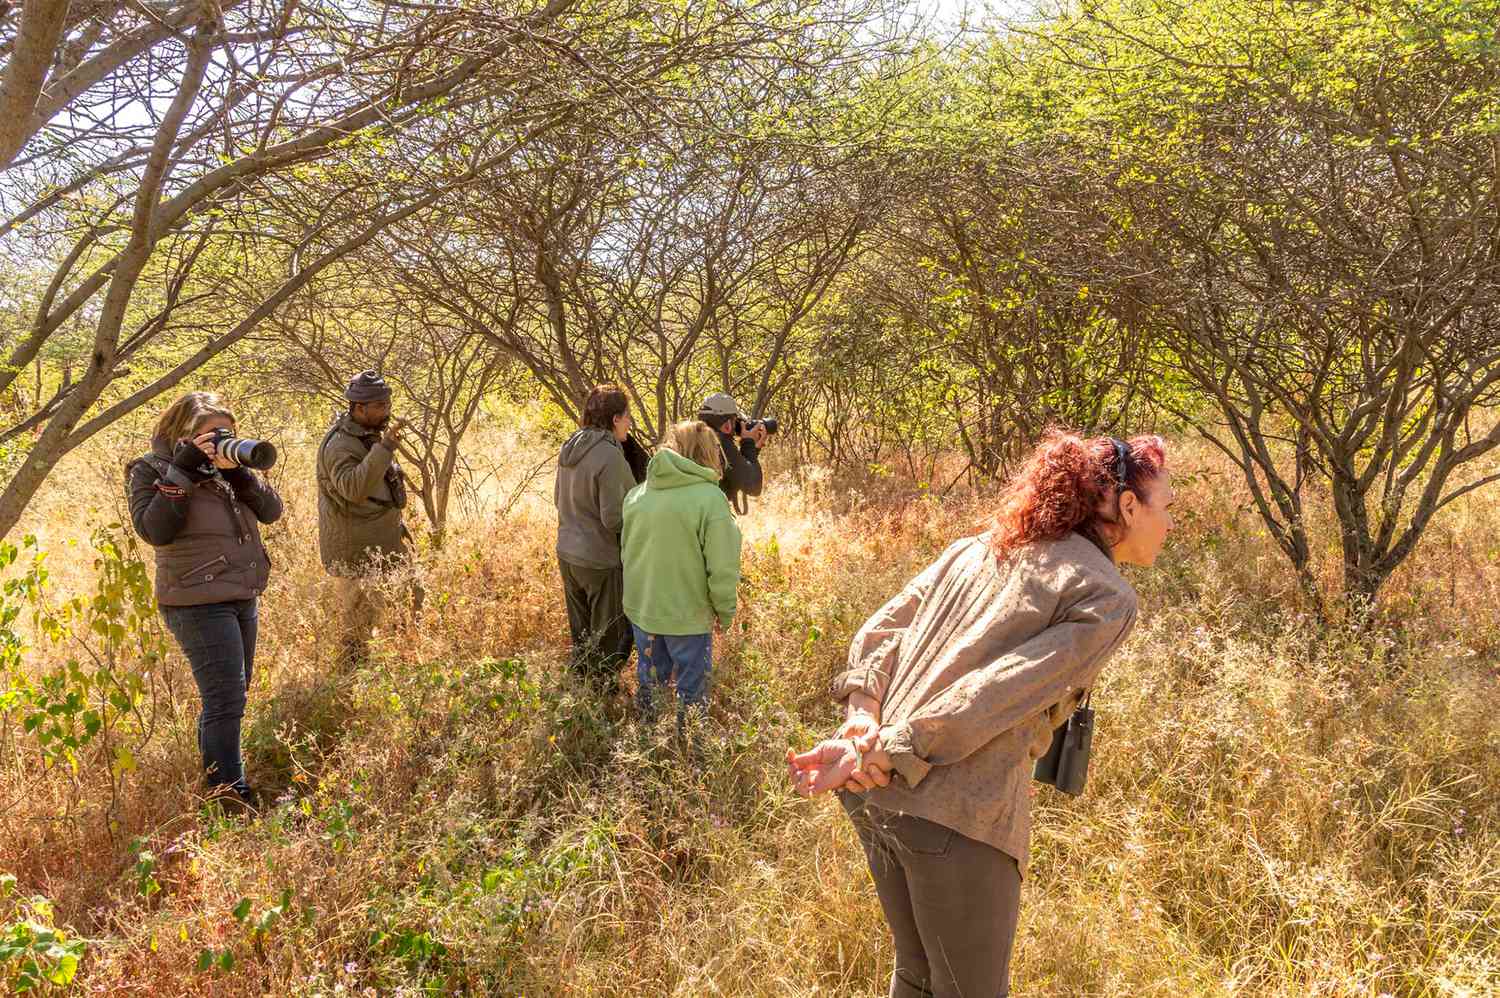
<point>36,957</point>
<point>146,883</point>
<point>257,928</point>
<point>111,644</point>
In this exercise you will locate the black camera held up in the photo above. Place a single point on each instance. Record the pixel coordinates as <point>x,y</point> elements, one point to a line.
<point>257,454</point>
<point>745,426</point>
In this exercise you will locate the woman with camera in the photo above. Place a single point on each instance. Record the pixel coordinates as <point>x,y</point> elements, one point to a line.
<point>958,684</point>
<point>681,552</point>
<point>193,500</point>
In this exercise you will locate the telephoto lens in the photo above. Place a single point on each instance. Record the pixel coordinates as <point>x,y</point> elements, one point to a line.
<point>769,423</point>
<point>744,426</point>
<point>257,454</point>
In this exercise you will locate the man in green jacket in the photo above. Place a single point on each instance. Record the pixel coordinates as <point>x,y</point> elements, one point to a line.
<point>361,492</point>
<point>681,552</point>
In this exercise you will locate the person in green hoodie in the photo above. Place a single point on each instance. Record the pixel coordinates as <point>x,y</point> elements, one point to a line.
<point>593,476</point>
<point>681,553</point>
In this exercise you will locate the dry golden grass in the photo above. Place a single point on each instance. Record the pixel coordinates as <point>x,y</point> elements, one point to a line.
<point>1275,810</point>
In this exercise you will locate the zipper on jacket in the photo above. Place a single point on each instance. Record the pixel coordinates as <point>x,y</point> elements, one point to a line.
<point>227,491</point>
<point>202,568</point>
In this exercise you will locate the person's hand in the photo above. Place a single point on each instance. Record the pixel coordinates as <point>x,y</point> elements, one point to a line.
<point>833,763</point>
<point>826,766</point>
<point>205,443</point>
<point>392,438</point>
<point>190,458</point>
<point>759,435</point>
<point>864,730</point>
<point>860,726</point>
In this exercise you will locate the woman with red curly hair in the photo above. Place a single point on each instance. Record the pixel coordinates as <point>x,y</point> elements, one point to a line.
<point>955,687</point>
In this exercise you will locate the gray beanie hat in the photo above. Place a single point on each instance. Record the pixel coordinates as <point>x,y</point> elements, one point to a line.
<point>368,386</point>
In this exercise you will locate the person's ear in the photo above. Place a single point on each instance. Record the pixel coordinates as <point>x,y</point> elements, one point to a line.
<point>1129,507</point>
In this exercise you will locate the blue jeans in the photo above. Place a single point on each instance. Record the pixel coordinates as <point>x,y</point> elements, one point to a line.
<point>657,654</point>
<point>219,642</point>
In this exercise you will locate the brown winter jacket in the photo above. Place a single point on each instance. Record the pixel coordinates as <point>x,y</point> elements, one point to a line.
<point>975,663</point>
<point>206,534</point>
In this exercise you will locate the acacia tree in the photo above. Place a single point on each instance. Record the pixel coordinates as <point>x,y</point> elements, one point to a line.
<point>608,261</point>
<point>972,257</point>
<point>160,189</point>
<point>359,317</point>
<point>1307,203</point>
<point>153,155</point>
<point>675,251</point>
<point>869,388</point>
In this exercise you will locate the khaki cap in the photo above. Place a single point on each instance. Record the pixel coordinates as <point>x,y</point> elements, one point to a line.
<point>720,404</point>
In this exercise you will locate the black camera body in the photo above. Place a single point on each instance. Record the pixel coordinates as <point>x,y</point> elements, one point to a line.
<point>257,454</point>
<point>744,426</point>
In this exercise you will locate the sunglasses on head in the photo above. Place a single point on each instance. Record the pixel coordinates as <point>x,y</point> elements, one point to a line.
<point>1122,454</point>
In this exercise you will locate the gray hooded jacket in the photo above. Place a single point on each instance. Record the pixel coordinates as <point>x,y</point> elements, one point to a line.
<point>592,479</point>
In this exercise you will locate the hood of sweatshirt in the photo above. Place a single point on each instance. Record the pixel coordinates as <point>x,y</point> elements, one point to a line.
<point>670,470</point>
<point>580,443</point>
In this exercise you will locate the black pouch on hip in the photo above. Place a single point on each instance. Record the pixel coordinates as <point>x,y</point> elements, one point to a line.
<point>1066,764</point>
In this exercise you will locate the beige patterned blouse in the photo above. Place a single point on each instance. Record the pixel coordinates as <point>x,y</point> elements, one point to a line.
<point>975,663</point>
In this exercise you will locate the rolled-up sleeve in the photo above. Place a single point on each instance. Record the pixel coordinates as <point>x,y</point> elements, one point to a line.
<point>1021,684</point>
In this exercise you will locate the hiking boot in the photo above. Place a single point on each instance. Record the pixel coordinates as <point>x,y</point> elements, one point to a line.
<point>235,803</point>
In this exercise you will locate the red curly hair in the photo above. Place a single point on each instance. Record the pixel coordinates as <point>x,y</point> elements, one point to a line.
<point>1064,484</point>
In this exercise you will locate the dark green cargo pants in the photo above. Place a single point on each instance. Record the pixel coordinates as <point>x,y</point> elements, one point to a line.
<point>596,619</point>
<point>952,903</point>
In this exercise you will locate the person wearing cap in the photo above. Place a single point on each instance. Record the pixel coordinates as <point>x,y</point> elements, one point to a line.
<point>361,493</point>
<point>742,473</point>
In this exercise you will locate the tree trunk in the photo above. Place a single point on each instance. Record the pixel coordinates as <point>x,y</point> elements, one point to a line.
<point>1362,582</point>
<point>36,43</point>
<point>54,441</point>
<point>440,510</point>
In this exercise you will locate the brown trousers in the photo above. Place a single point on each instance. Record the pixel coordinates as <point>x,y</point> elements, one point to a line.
<point>362,602</point>
<point>951,902</point>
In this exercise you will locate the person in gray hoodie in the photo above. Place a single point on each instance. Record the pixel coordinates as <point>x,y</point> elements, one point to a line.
<point>593,476</point>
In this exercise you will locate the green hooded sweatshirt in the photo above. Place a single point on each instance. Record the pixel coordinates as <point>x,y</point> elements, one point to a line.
<point>681,549</point>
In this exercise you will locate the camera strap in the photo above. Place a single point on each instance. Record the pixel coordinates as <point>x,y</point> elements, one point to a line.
<point>395,482</point>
